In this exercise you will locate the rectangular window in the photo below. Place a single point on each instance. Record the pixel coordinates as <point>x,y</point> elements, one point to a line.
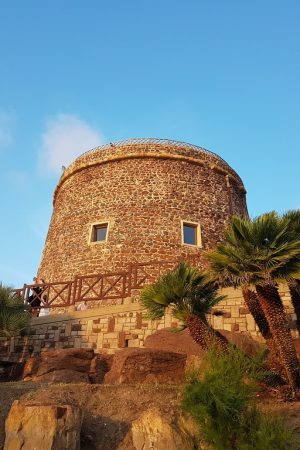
<point>99,232</point>
<point>191,234</point>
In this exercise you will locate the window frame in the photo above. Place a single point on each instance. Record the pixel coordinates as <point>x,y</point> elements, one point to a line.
<point>93,227</point>
<point>197,227</point>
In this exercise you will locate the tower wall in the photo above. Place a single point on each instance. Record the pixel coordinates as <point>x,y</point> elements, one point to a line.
<point>143,190</point>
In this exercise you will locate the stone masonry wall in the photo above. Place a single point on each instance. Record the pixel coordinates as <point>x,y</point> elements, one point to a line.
<point>110,328</point>
<point>144,191</point>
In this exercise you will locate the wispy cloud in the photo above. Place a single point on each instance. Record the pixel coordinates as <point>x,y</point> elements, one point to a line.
<point>65,138</point>
<point>7,119</point>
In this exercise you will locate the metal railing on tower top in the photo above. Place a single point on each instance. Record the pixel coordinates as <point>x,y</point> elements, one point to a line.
<point>170,142</point>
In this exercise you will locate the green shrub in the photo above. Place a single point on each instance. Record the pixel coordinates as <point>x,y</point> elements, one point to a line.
<point>265,432</point>
<point>14,315</point>
<point>222,397</point>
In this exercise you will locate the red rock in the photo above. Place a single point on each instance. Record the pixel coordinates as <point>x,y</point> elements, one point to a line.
<point>145,365</point>
<point>243,341</point>
<point>180,342</point>
<point>64,365</point>
<point>31,366</point>
<point>64,359</point>
<point>63,376</point>
<point>100,365</point>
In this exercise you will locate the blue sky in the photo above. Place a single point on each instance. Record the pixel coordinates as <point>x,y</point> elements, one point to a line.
<point>219,74</point>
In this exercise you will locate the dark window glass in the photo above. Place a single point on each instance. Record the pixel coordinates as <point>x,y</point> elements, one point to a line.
<point>189,234</point>
<point>100,232</point>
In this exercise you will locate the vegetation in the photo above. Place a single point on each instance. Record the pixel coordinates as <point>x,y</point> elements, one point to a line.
<point>14,315</point>
<point>222,399</point>
<point>190,294</point>
<point>262,253</point>
<point>293,222</point>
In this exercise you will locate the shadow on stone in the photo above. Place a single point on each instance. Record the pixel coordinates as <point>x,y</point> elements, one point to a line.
<point>102,433</point>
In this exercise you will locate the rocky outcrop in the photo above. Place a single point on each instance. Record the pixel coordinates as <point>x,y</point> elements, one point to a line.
<point>145,365</point>
<point>100,365</point>
<point>152,430</point>
<point>66,365</point>
<point>243,341</point>
<point>63,376</point>
<point>182,342</point>
<point>41,427</point>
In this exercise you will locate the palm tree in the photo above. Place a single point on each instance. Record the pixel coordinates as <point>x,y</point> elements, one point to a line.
<point>252,302</point>
<point>189,294</point>
<point>14,315</point>
<point>262,253</point>
<point>293,220</point>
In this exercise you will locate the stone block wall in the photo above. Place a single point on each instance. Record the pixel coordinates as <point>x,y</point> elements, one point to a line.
<point>143,190</point>
<point>109,328</point>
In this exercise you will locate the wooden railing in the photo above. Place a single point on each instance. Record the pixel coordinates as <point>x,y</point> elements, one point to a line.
<point>57,294</point>
<point>106,286</point>
<point>99,287</point>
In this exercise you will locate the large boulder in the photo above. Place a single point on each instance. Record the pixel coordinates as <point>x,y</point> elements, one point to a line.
<point>152,430</point>
<point>145,365</point>
<point>64,365</point>
<point>47,427</point>
<point>243,341</point>
<point>63,376</point>
<point>182,342</point>
<point>179,342</point>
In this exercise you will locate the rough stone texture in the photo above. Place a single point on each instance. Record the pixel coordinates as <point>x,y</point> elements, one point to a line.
<point>69,365</point>
<point>40,427</point>
<point>144,191</point>
<point>180,342</point>
<point>62,376</point>
<point>146,366</point>
<point>100,365</point>
<point>152,431</point>
<point>243,341</point>
<point>31,367</point>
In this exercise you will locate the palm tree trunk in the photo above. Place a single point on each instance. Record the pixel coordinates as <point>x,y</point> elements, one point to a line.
<point>204,334</point>
<point>294,287</point>
<point>252,302</point>
<point>273,309</point>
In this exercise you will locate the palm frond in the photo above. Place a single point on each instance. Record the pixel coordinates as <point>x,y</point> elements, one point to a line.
<point>184,290</point>
<point>256,251</point>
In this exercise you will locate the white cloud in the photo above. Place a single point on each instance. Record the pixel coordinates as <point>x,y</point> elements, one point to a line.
<point>65,138</point>
<point>6,123</point>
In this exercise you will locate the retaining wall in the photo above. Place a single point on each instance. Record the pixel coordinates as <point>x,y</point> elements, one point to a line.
<point>109,328</point>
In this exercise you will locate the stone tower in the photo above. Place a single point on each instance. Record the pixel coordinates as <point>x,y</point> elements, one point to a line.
<point>136,201</point>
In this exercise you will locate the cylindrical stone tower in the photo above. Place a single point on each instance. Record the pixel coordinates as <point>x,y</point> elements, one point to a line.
<point>136,201</point>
